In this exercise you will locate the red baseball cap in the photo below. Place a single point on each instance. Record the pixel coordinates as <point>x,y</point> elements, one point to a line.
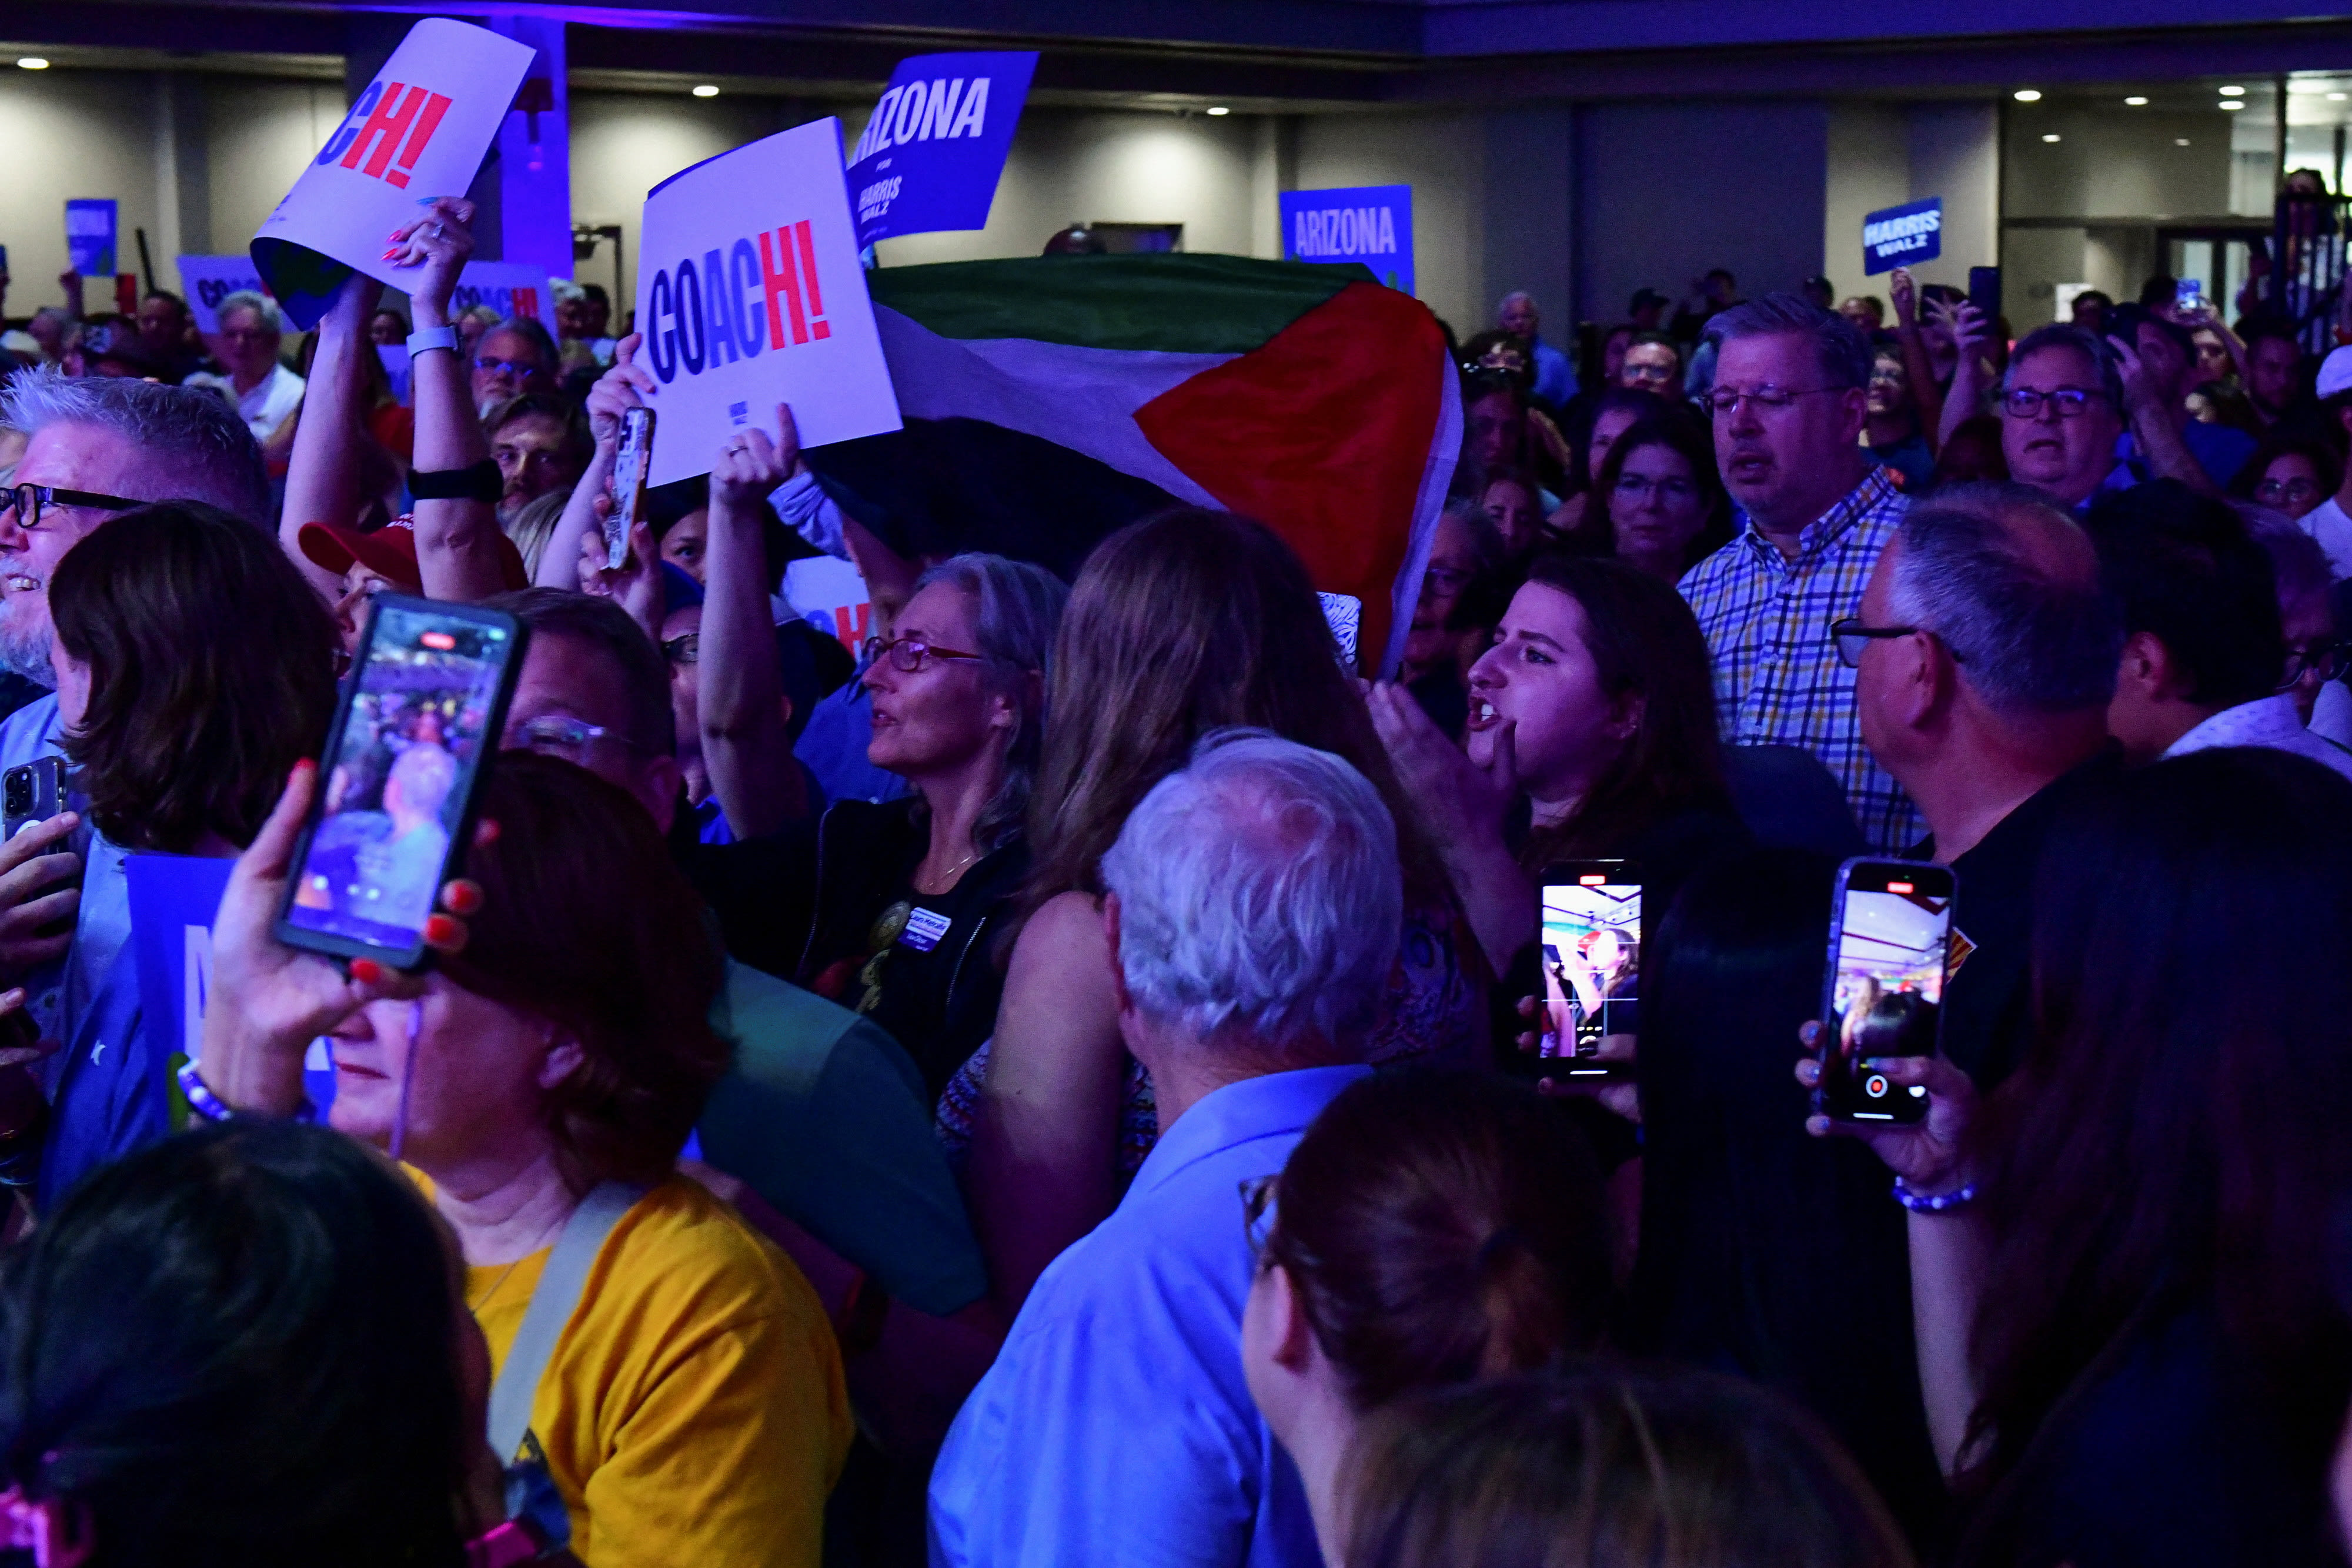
<point>391,552</point>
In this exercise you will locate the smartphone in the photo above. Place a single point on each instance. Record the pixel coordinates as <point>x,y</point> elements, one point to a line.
<point>1890,955</point>
<point>1984,290</point>
<point>418,723</point>
<point>634,462</point>
<point>33,792</point>
<point>1592,942</point>
<point>2188,294</point>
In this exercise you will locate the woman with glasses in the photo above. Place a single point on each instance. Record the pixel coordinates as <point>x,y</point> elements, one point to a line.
<point>1579,521</point>
<point>2291,473</point>
<point>1433,1229</point>
<point>912,892</point>
<point>1667,506</point>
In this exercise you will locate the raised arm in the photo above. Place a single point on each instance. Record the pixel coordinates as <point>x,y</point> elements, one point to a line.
<point>323,478</point>
<point>1917,364</point>
<point>2156,425</point>
<point>618,389</point>
<point>1973,377</point>
<point>457,554</point>
<point>745,743</point>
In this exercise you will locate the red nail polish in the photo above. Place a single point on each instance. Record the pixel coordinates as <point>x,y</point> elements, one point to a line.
<point>367,971</point>
<point>440,928</point>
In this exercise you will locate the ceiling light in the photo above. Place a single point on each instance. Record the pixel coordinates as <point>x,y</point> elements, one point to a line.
<point>2136,104</point>
<point>2231,103</point>
<point>2336,98</point>
<point>2052,136</point>
<point>32,63</point>
<point>2233,93</point>
<point>1220,108</point>
<point>706,90</point>
<point>2180,141</point>
<point>2029,95</point>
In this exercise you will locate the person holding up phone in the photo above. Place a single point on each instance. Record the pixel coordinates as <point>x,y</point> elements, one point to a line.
<point>539,1080</point>
<point>2130,1347</point>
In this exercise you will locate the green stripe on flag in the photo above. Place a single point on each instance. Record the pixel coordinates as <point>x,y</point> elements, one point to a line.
<point>1177,303</point>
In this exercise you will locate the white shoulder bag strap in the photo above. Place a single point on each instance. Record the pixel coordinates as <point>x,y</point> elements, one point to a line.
<point>551,1309</point>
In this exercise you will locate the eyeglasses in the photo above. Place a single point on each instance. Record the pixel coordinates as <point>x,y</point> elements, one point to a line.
<point>1445,580</point>
<point>1637,488</point>
<point>1852,636</point>
<point>908,656</point>
<point>686,649</point>
<point>558,735</point>
<point>2328,660</point>
<point>1257,1199</point>
<point>2286,490</point>
<point>26,501</point>
<point>2024,402</point>
<point>511,367</point>
<point>1726,401</point>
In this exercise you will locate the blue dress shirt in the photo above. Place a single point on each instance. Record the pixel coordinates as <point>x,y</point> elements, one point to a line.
<point>1115,1426</point>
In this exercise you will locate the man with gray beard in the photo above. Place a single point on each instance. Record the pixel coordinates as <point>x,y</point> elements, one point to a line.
<point>95,448</point>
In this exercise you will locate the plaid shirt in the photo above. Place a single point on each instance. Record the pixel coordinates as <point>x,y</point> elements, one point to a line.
<point>1776,675</point>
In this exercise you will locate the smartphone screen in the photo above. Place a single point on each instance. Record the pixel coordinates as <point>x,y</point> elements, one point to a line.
<point>1984,290</point>
<point>422,713</point>
<point>1592,942</point>
<point>2189,294</point>
<point>630,466</point>
<point>1890,950</point>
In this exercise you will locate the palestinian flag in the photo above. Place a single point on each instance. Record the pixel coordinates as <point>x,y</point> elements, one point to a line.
<point>1051,401</point>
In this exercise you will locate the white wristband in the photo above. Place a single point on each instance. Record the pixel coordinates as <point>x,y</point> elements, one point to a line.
<point>426,337</point>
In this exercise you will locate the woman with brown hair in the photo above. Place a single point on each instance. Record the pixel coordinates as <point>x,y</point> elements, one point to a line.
<point>1183,623</point>
<point>1434,1227</point>
<point>1592,737</point>
<point>194,667</point>
<point>1666,503</point>
<point>540,1081</point>
<point>1594,1465</point>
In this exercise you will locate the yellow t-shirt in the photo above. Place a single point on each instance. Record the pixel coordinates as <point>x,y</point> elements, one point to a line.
<point>693,1411</point>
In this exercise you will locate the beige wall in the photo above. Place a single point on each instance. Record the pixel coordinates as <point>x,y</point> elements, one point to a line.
<point>1883,155</point>
<point>258,135</point>
<point>74,134</point>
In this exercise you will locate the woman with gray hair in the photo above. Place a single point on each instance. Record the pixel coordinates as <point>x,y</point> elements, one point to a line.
<point>910,891</point>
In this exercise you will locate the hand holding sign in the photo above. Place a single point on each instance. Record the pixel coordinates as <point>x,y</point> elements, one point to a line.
<point>437,241</point>
<point>421,126</point>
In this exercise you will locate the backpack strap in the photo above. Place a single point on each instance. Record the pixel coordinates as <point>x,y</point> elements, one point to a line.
<point>551,1309</point>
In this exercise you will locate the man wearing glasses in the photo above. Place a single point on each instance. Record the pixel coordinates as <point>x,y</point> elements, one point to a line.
<point>1790,404</point>
<point>2061,412</point>
<point>264,391</point>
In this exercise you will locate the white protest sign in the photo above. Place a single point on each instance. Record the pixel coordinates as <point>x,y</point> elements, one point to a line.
<point>206,280</point>
<point>509,287</point>
<point>830,595</point>
<point>419,131</point>
<point>749,294</point>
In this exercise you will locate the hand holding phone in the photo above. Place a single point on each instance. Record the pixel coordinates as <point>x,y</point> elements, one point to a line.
<point>1591,955</point>
<point>629,471</point>
<point>416,731</point>
<point>1890,954</point>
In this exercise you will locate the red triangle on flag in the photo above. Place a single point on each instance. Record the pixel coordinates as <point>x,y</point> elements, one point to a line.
<point>1322,433</point>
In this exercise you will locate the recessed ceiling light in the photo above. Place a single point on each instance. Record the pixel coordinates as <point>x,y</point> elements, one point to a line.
<point>706,90</point>
<point>1220,108</point>
<point>2052,136</point>
<point>2135,102</point>
<point>2336,98</point>
<point>32,63</point>
<point>2180,141</point>
<point>2029,95</point>
<point>2232,103</point>
<point>2233,93</point>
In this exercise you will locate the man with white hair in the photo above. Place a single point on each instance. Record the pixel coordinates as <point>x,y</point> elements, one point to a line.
<point>1253,903</point>
<point>1555,377</point>
<point>93,448</point>
<point>265,391</point>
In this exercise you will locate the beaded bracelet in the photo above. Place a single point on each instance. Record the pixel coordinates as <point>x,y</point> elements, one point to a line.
<point>209,1106</point>
<point>1932,1203</point>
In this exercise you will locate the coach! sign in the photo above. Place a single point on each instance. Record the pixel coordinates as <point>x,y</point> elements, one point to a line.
<point>749,294</point>
<point>418,131</point>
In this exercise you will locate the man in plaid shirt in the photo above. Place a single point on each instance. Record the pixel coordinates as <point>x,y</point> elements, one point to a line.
<point>1790,400</point>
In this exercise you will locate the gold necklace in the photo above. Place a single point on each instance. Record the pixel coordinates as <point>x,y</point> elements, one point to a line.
<point>499,1283</point>
<point>945,877</point>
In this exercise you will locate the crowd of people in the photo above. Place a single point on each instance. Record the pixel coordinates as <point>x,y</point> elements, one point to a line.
<point>1065,1081</point>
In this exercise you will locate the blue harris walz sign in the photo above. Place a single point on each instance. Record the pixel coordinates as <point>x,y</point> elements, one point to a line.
<point>1370,224</point>
<point>931,152</point>
<point>1902,237</point>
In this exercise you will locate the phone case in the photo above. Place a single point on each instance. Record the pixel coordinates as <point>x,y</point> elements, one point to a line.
<point>629,468</point>
<point>1902,1110</point>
